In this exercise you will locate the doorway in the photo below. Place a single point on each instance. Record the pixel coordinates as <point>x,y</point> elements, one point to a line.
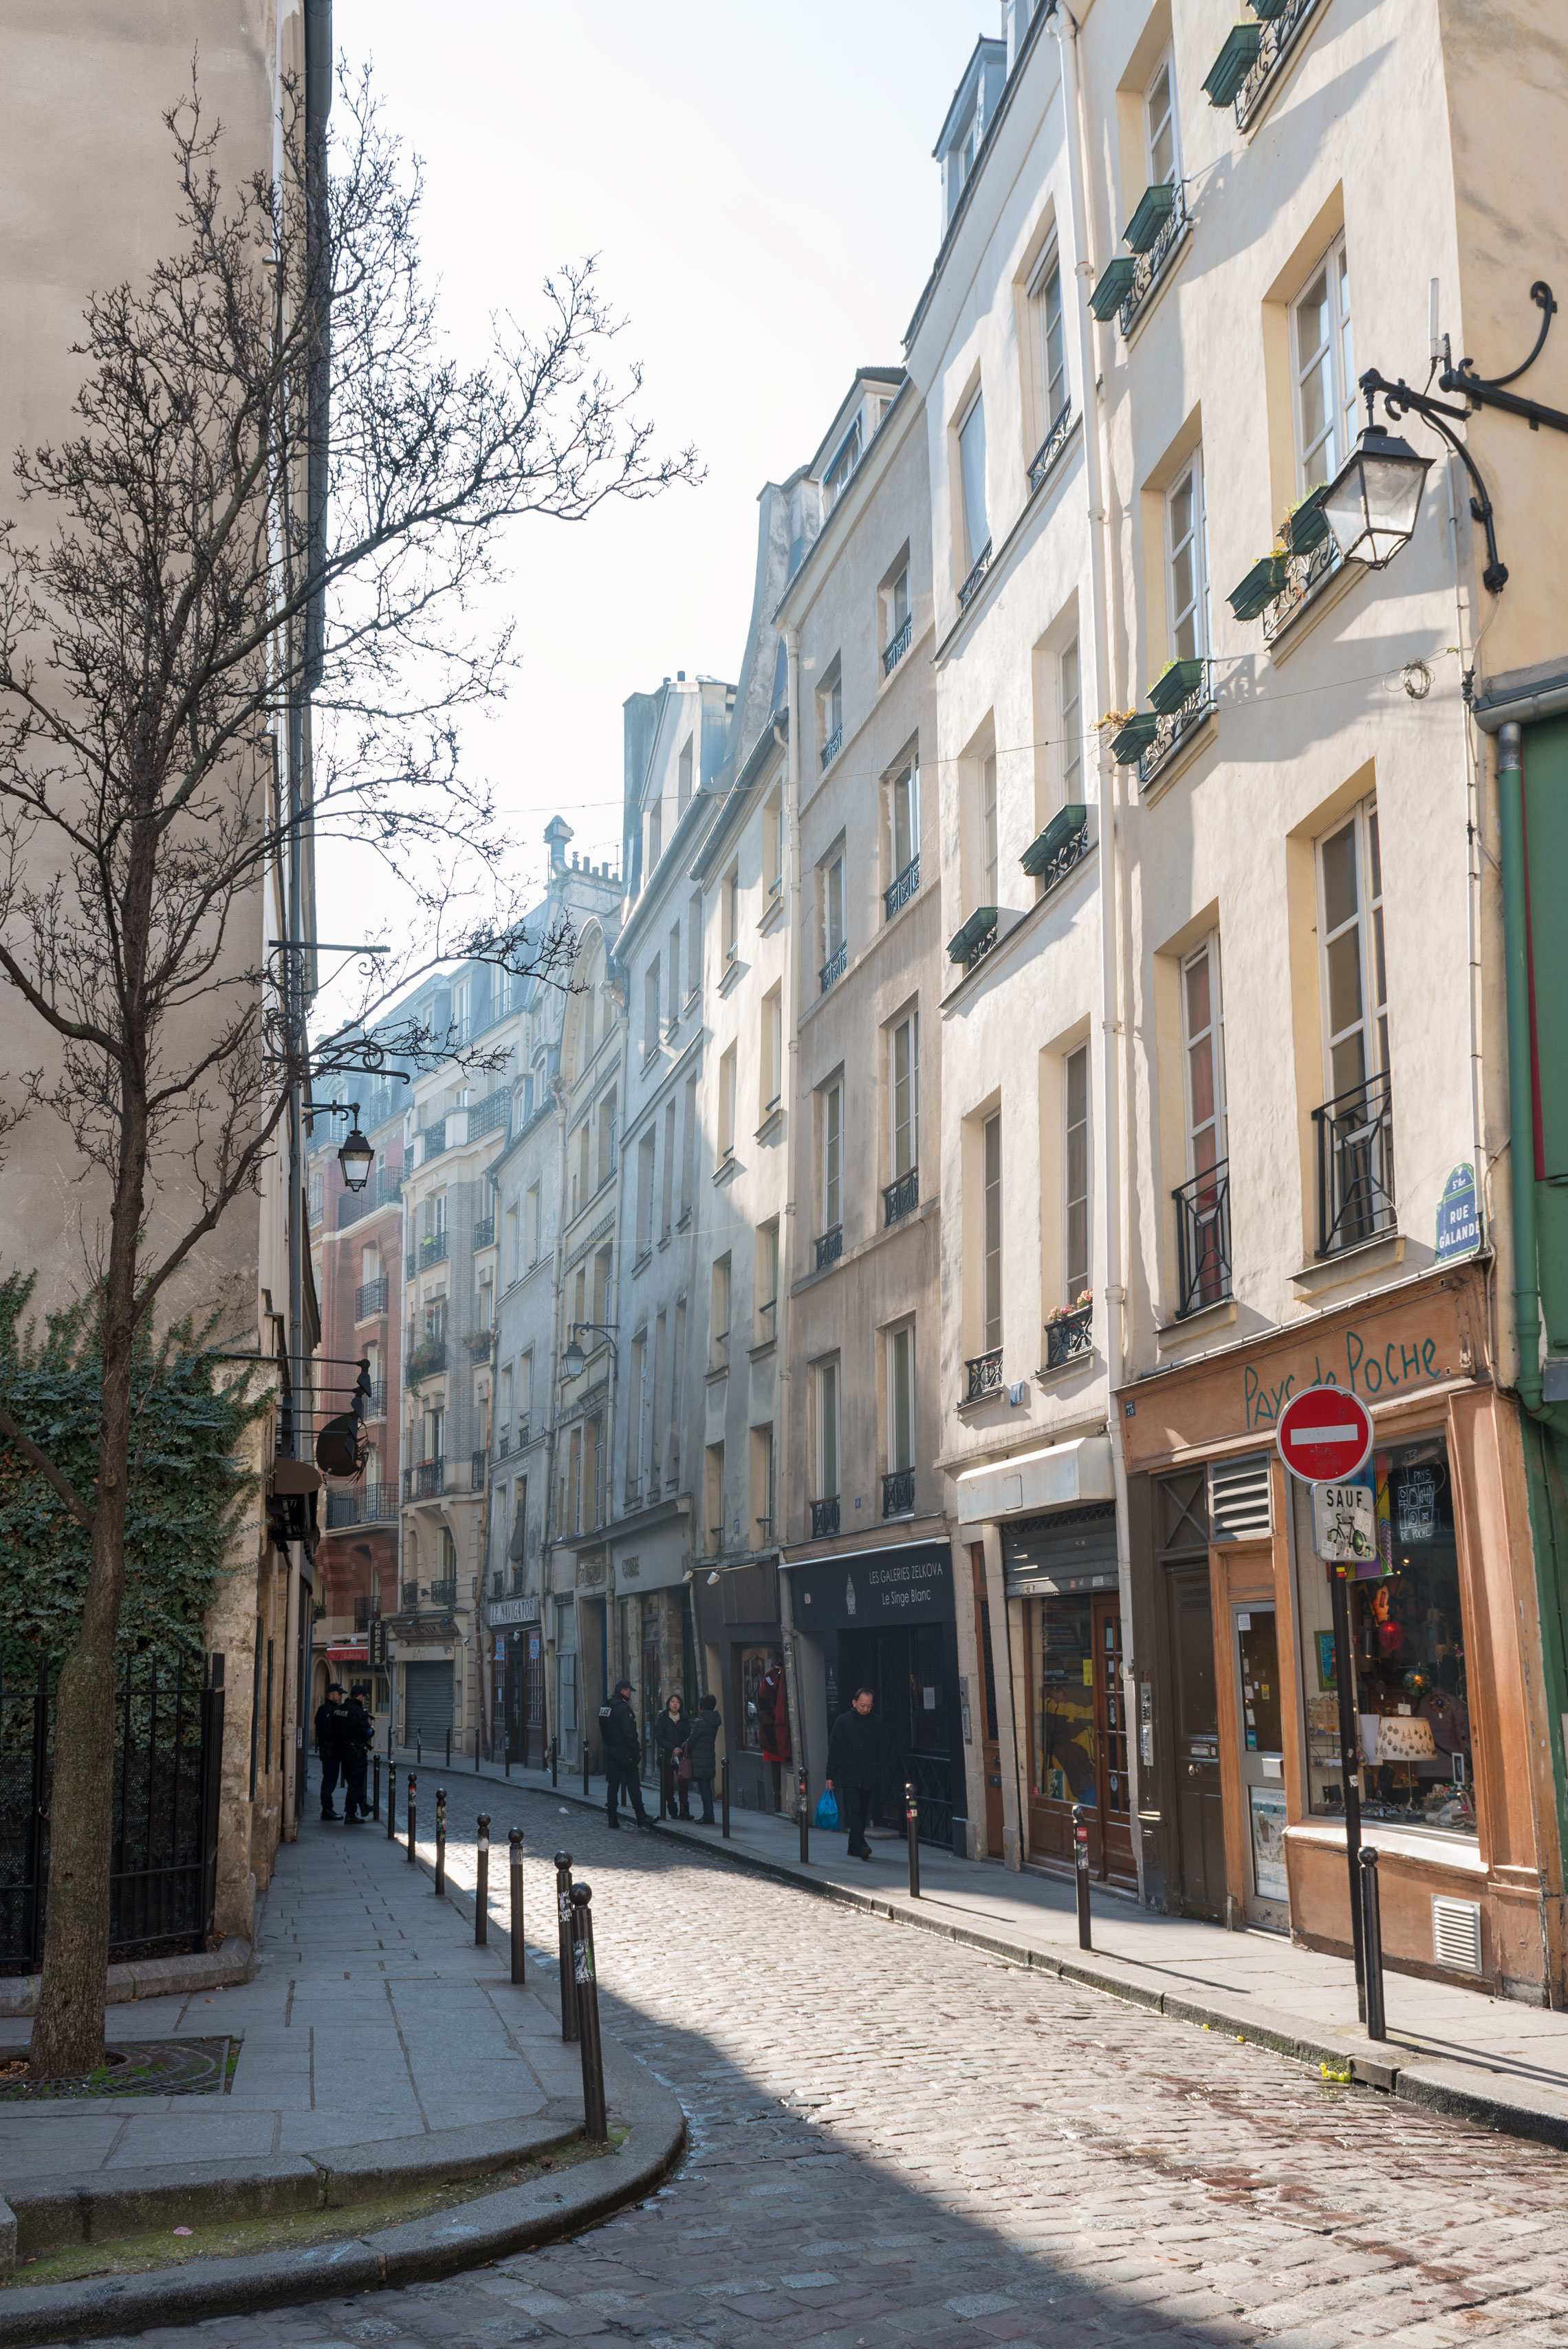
<point>1200,1807</point>
<point>1078,1732</point>
<point>909,1669</point>
<point>1254,1657</point>
<point>990,1740</point>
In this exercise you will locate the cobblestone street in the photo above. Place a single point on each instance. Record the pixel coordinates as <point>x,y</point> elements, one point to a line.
<point>894,2139</point>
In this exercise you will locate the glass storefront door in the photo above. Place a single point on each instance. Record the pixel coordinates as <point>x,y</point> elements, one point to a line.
<point>1078,1732</point>
<point>1261,1739</point>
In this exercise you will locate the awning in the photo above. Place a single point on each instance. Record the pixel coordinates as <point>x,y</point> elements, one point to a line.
<point>1063,1476</point>
<point>349,1651</point>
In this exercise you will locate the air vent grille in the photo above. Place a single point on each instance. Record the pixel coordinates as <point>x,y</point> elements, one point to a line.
<point>1456,1935</point>
<point>1239,1498</point>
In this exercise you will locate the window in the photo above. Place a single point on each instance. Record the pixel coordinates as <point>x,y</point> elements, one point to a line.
<point>530,1222</point>
<point>719,1323</point>
<point>766,1289</point>
<point>637,1443</point>
<point>651,1007</point>
<point>655,833</point>
<point>317,1194</point>
<point>837,479</point>
<point>664,1223</point>
<point>772,851</point>
<point>462,1012</point>
<point>726,1074</point>
<point>606,1165</point>
<point>524,1393</point>
<point>897,611</point>
<point>683,782</point>
<point>900,1399</point>
<point>988,846</point>
<point>712,1493</point>
<point>1186,557</point>
<point>1326,390</point>
<point>826,1431</point>
<point>694,950</point>
<point>645,1172</point>
<point>1075,1173</point>
<point>830,712</point>
<point>772,1057</point>
<point>903,1087</point>
<point>731,913</point>
<point>1355,985</point>
<point>673,965</point>
<point>1160,124</point>
<point>1047,307</point>
<point>688,1149</point>
<point>511,1246</point>
<point>972,474</point>
<point>832,1156</point>
<point>1205,1065</point>
<point>761,1486</point>
<point>991,1300</point>
<point>1070,702</point>
<point>833,907</point>
<point>503,1424</point>
<point>903,819</point>
<point>369,1266</point>
<point>436,1214</point>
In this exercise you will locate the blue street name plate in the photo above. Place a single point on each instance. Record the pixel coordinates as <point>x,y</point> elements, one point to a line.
<point>1458,1216</point>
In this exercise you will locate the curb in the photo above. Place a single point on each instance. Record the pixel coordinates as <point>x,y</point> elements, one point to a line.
<point>1433,2082</point>
<point>219,1969</point>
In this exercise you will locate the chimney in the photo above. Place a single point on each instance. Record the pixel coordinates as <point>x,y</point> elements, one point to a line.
<point>557,832</point>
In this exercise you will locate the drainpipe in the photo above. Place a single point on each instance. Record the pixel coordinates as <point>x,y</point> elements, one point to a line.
<point>1114,1111</point>
<point>786,1221</point>
<point>1522,1125</point>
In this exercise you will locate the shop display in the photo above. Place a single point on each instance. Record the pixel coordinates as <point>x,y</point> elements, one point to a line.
<point>1408,1654</point>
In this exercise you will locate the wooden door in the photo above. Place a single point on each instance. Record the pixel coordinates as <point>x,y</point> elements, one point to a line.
<point>1200,1804</point>
<point>990,1740</point>
<point>533,1701</point>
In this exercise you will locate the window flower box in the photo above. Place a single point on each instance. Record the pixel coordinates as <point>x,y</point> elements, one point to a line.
<point>1155,207</point>
<point>1307,525</point>
<point>1268,9</point>
<point>1115,283</point>
<point>975,939</point>
<point>1128,747</point>
<point>1057,836</point>
<point>1234,62</point>
<point>1176,683</point>
<point>1257,591</point>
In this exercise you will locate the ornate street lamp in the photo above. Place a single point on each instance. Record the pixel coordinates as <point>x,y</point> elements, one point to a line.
<point>1372,502</point>
<point>356,1157</point>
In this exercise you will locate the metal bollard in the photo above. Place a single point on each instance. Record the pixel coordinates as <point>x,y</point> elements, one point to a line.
<point>413,1790</point>
<point>376,1786</point>
<point>805,1818</point>
<point>565,1913</point>
<point>514,1840</point>
<point>391,1799</point>
<point>724,1797</point>
<point>911,1829</point>
<point>1372,1939</point>
<point>595,2125</point>
<point>506,1755</point>
<point>440,1843</point>
<point>1080,1872</point>
<point>448,1746</point>
<point>554,1761</point>
<point>584,1766</point>
<point>418,1750</point>
<point>476,1753</point>
<point>482,1882</point>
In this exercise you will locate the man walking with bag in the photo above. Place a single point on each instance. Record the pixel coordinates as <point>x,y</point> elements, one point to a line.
<point>622,1754</point>
<point>853,1752</point>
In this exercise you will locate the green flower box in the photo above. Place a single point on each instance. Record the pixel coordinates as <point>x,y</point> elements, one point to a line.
<point>1066,821</point>
<point>1234,62</point>
<point>1307,525</point>
<point>1155,207</point>
<point>1268,9</point>
<point>964,945</point>
<point>1263,583</point>
<point>1175,684</point>
<point>1128,747</point>
<point>1115,284</point>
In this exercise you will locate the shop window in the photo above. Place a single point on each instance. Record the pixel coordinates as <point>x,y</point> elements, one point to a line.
<point>1409,1652</point>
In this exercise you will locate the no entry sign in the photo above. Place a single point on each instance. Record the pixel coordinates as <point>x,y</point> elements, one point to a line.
<point>1324,1435</point>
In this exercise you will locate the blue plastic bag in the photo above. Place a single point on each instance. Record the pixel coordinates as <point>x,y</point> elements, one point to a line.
<point>827,1808</point>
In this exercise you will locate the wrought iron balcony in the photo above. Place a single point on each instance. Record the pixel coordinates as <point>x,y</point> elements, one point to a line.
<point>1305,575</point>
<point>443,1594</point>
<point>426,1361</point>
<point>411,1597</point>
<point>362,1504</point>
<point>435,1139</point>
<point>898,892</point>
<point>479,1343</point>
<point>983,1375</point>
<point>901,1198</point>
<point>1203,1240</point>
<point>1051,856</point>
<point>1356,1166</point>
<point>825,1519</point>
<point>375,1401</point>
<point>832,746</point>
<point>370,1299</point>
<point>389,1186</point>
<point>367,1610</point>
<point>1051,447</point>
<point>410,1265</point>
<point>1069,1335</point>
<point>484,1232</point>
<point>1283,29</point>
<point>898,1492</point>
<point>477,1470</point>
<point>1173,729</point>
<point>897,647</point>
<point>433,1249</point>
<point>486,1115</point>
<point>1150,267</point>
<point>971,587</point>
<point>830,1247</point>
<point>425,1480</point>
<point>833,969</point>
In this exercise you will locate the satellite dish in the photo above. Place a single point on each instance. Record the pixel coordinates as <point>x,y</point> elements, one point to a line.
<point>338,1446</point>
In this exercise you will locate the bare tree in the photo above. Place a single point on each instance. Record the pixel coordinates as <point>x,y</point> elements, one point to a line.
<point>216,572</point>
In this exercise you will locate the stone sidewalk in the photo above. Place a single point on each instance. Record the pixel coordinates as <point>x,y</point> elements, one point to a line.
<point>1456,2048</point>
<point>369,2017</point>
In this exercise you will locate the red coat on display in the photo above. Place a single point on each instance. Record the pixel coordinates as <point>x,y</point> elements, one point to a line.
<point>773,1715</point>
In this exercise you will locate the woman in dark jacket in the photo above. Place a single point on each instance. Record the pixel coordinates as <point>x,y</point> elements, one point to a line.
<point>701,1748</point>
<point>670,1737</point>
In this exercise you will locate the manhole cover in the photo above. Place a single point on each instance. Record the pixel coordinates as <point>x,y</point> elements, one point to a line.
<point>136,2067</point>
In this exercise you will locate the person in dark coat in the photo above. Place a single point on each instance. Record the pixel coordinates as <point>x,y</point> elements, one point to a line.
<point>773,1725</point>
<point>669,1738</point>
<point>329,1744</point>
<point>356,1732</point>
<point>854,1751</point>
<point>622,1754</point>
<point>701,1750</point>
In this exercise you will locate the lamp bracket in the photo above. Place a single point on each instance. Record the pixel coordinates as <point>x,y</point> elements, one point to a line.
<point>1486,391</point>
<point>1399,400</point>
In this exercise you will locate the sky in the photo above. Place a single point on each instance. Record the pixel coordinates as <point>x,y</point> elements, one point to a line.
<point>757,186</point>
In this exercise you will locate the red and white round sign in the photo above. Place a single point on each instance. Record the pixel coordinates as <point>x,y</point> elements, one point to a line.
<point>1324,1434</point>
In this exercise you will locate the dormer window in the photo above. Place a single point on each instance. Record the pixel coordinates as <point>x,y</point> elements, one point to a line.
<point>843,465</point>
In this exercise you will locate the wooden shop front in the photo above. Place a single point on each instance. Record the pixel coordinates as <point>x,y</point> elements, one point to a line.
<point>1241,1801</point>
